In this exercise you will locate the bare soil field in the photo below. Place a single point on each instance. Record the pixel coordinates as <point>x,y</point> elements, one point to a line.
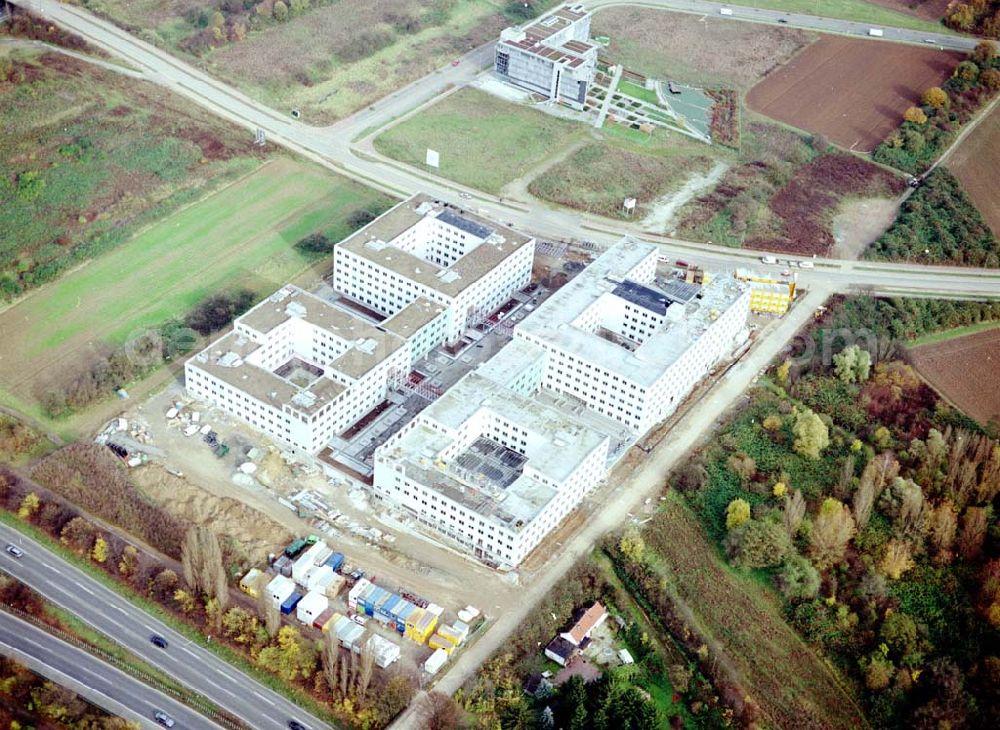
<point>926,9</point>
<point>253,531</point>
<point>975,163</point>
<point>684,47</point>
<point>964,370</point>
<point>852,91</point>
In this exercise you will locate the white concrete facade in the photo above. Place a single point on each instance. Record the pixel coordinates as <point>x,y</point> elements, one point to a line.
<point>423,249</point>
<point>627,349</point>
<point>490,470</point>
<point>298,368</point>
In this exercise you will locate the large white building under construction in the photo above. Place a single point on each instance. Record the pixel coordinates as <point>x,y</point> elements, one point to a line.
<point>505,455</point>
<point>424,249</point>
<point>302,369</point>
<point>629,346</point>
<point>552,56</point>
<point>488,466</point>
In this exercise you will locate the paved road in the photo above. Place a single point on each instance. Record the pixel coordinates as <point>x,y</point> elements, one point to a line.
<point>100,683</point>
<point>800,20</point>
<point>334,147</point>
<point>114,616</point>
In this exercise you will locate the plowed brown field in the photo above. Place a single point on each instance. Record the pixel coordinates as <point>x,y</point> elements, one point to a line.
<point>852,91</point>
<point>926,9</point>
<point>975,163</point>
<point>964,370</point>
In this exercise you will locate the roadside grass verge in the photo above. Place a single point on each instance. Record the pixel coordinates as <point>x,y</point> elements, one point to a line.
<point>952,334</point>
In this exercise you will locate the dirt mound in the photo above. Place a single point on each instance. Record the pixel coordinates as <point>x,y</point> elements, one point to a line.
<point>256,533</point>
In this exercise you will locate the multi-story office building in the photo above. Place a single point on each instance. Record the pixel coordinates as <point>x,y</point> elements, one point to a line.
<point>298,368</point>
<point>488,468</point>
<point>629,345</point>
<point>552,56</point>
<point>425,249</point>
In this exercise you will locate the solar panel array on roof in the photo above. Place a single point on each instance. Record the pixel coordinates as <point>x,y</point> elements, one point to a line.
<point>681,291</point>
<point>464,224</point>
<point>643,296</point>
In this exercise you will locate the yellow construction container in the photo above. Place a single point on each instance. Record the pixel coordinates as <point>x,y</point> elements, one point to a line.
<point>248,583</point>
<point>440,642</point>
<point>449,634</point>
<point>420,625</point>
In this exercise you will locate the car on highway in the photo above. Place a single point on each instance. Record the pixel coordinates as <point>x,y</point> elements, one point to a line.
<point>14,550</point>
<point>157,640</point>
<point>806,265</point>
<point>782,20</point>
<point>296,725</point>
<point>681,264</point>
<point>164,719</point>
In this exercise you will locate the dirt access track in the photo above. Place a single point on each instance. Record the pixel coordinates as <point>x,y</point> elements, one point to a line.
<point>852,91</point>
<point>963,370</point>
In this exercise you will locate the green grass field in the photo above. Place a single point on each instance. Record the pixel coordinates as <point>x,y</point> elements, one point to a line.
<point>638,92</point>
<point>485,142</point>
<point>241,236</point>
<point>598,177</point>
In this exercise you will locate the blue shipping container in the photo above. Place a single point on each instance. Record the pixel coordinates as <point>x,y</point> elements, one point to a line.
<point>401,616</point>
<point>335,561</point>
<point>387,609</point>
<point>372,599</point>
<point>289,605</point>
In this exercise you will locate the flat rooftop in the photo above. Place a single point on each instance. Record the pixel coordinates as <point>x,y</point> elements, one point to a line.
<point>408,320</point>
<point>374,243</point>
<point>556,445</point>
<point>688,314</point>
<point>535,36</point>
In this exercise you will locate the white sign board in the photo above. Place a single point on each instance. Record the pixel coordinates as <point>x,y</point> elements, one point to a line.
<point>629,204</point>
<point>433,158</point>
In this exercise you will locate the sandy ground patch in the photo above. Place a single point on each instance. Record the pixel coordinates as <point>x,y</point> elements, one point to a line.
<point>859,222</point>
<point>666,207</point>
